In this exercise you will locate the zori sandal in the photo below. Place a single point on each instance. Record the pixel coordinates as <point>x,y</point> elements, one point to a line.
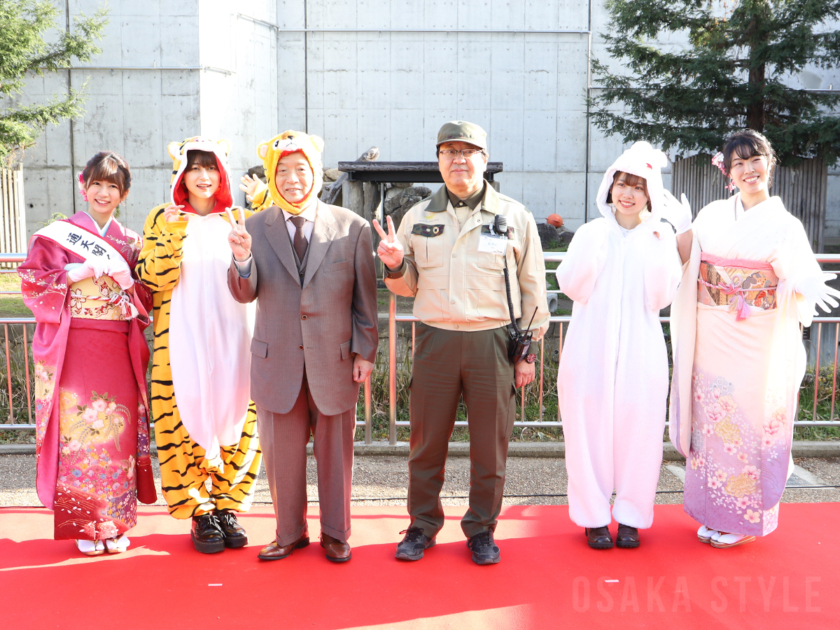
<point>705,535</point>
<point>117,545</point>
<point>725,541</point>
<point>90,547</point>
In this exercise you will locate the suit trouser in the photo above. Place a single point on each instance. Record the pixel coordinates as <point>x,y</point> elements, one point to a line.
<point>283,438</point>
<point>448,364</point>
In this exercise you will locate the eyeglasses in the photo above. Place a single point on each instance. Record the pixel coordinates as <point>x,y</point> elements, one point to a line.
<point>450,154</point>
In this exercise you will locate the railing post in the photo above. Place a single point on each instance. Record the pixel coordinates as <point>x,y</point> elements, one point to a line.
<point>392,370</point>
<point>368,427</point>
<point>9,374</point>
<point>817,371</point>
<point>542,371</point>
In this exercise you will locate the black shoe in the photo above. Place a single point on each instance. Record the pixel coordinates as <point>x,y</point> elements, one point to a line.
<point>206,534</point>
<point>598,537</point>
<point>233,532</point>
<point>484,548</point>
<point>628,537</point>
<point>413,544</point>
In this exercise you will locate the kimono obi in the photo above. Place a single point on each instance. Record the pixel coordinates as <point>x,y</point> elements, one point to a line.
<point>736,283</point>
<point>101,299</point>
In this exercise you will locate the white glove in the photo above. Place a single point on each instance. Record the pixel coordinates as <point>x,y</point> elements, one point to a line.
<point>814,289</point>
<point>122,278</point>
<point>677,213</point>
<point>91,268</point>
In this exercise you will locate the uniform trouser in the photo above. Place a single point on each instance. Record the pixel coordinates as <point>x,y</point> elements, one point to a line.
<point>284,437</point>
<point>448,364</point>
<point>184,471</point>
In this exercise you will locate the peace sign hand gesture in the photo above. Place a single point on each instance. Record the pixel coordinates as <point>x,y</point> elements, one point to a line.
<point>390,250</point>
<point>239,239</point>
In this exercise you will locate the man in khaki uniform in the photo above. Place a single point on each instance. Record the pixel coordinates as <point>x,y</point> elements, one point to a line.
<point>445,255</point>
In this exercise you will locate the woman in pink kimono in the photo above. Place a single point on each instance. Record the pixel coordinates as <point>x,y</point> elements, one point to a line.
<point>749,279</point>
<point>90,365</point>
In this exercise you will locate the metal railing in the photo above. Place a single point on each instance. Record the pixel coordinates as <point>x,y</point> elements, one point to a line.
<point>395,318</point>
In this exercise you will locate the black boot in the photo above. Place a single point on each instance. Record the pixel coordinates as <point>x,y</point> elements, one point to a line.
<point>234,533</point>
<point>207,534</point>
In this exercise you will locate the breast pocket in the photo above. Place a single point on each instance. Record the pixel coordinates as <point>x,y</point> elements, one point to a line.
<point>340,272</point>
<point>486,296</point>
<point>427,243</point>
<point>492,262</point>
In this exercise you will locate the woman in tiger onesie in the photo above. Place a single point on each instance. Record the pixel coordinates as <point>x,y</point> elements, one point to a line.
<point>205,424</point>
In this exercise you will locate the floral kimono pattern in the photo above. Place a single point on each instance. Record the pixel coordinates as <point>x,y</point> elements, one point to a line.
<point>738,362</point>
<point>90,392</point>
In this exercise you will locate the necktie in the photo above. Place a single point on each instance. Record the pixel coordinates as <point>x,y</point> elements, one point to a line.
<point>300,239</point>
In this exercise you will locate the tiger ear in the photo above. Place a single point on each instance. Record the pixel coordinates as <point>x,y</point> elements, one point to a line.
<point>174,149</point>
<point>225,147</point>
<point>318,143</point>
<point>262,150</point>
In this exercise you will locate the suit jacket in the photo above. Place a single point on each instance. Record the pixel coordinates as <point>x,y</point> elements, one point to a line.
<point>322,322</point>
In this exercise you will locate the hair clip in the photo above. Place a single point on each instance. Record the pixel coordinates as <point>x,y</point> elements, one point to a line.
<point>82,186</point>
<point>717,160</point>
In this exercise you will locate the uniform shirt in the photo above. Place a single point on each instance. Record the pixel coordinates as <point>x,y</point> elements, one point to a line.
<point>464,207</point>
<point>458,287</point>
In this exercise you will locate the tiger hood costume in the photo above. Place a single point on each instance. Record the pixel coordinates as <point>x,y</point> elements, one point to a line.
<point>292,142</point>
<point>205,424</point>
<point>178,152</point>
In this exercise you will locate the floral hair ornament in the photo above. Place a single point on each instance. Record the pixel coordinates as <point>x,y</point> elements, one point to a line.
<point>717,160</point>
<point>82,191</point>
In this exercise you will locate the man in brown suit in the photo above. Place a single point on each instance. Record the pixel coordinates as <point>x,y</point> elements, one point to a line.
<point>310,267</point>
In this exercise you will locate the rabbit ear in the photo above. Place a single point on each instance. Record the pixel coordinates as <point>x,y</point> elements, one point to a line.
<point>641,146</point>
<point>650,155</point>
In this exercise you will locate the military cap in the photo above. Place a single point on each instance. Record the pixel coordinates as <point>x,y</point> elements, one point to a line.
<point>462,131</point>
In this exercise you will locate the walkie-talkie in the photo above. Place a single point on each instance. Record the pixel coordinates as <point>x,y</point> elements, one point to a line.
<point>520,341</point>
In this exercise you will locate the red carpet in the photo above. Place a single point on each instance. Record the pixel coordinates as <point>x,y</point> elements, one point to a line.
<point>548,577</point>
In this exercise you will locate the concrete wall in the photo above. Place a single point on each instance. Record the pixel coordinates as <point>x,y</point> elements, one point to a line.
<point>395,89</point>
<point>245,71</point>
<point>172,70</point>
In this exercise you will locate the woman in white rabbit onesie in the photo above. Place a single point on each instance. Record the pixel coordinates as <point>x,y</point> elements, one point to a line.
<point>620,270</point>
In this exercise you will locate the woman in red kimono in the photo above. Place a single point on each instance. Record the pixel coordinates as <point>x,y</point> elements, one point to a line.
<point>90,365</point>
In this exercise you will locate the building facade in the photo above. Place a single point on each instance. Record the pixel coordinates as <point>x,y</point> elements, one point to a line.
<point>357,73</point>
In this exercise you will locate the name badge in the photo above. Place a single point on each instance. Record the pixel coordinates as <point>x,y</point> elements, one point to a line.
<point>492,244</point>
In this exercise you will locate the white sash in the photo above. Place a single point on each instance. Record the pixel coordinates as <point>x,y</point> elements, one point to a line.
<point>82,243</point>
<point>89,246</point>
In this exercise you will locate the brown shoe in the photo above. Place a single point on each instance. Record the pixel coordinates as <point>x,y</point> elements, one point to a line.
<point>628,537</point>
<point>276,552</point>
<point>337,551</point>
<point>598,537</point>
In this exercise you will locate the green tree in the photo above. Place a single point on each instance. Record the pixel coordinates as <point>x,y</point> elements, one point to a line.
<point>24,51</point>
<point>730,75</point>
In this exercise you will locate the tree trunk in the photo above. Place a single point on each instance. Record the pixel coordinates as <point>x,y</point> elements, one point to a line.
<point>756,111</point>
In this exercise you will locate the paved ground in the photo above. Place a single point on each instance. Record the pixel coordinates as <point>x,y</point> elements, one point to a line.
<point>385,478</point>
